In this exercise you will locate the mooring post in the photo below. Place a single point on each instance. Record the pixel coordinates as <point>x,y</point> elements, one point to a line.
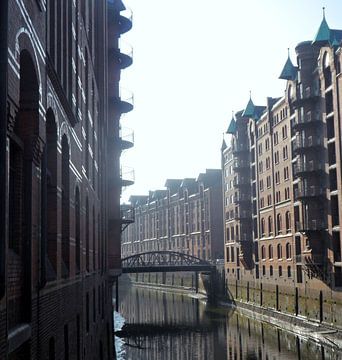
<point>117,295</point>
<point>196,281</point>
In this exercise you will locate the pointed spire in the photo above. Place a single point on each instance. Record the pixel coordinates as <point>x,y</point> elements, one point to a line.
<point>250,108</point>
<point>323,33</point>
<point>289,71</point>
<point>232,125</point>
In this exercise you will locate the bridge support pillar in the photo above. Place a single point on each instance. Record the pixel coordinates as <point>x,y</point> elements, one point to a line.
<point>196,281</point>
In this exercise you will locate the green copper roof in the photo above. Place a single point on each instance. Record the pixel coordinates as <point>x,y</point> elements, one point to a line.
<point>232,127</point>
<point>249,110</point>
<point>323,33</point>
<point>289,71</point>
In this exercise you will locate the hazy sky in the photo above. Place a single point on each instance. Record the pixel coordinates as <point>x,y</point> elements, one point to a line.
<point>195,61</point>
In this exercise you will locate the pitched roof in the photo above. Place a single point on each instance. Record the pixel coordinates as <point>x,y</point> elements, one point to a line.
<point>232,127</point>
<point>289,71</point>
<point>327,35</point>
<point>249,110</point>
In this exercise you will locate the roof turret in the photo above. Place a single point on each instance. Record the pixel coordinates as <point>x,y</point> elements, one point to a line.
<point>289,71</point>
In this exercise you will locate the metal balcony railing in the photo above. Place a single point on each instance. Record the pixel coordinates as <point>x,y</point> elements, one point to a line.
<point>240,164</point>
<point>126,137</point>
<point>309,191</point>
<point>309,166</point>
<point>308,118</point>
<point>125,101</point>
<point>310,142</point>
<point>308,258</point>
<point>243,214</point>
<point>127,213</point>
<point>239,148</point>
<point>241,181</point>
<point>241,198</point>
<point>127,176</point>
<point>310,225</point>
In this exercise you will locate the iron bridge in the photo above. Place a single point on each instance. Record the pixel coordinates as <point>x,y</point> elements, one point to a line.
<point>164,261</point>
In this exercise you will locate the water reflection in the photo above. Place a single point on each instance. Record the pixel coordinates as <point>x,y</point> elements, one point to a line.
<point>167,326</point>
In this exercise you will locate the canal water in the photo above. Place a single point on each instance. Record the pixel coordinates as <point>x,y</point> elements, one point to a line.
<point>157,325</point>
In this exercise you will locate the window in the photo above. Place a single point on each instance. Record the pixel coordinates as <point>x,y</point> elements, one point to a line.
<point>284,132</point>
<point>277,177</point>
<point>285,153</point>
<point>270,251</point>
<point>269,200</point>
<point>286,173</point>
<point>288,251</point>
<point>270,226</point>
<point>276,157</point>
<point>261,185</point>
<point>268,163</point>
<point>280,271</point>
<point>271,270</point>
<point>279,225</point>
<point>263,270</point>
<point>268,181</point>
<point>260,149</point>
<point>287,193</point>
<point>52,351</point>
<point>261,167</point>
<point>262,227</point>
<point>275,138</point>
<point>279,251</point>
<point>262,203</point>
<point>267,144</point>
<point>288,221</point>
<point>263,253</point>
<point>289,271</point>
<point>232,254</point>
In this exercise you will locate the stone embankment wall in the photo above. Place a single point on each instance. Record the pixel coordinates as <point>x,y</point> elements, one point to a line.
<point>322,306</point>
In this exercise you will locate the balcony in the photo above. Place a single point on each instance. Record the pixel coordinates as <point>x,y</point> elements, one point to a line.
<point>307,94</point>
<point>124,55</point>
<point>311,225</point>
<point>309,258</point>
<point>239,148</point>
<point>309,192</point>
<point>306,120</point>
<point>305,168</point>
<point>120,18</point>
<point>127,214</point>
<point>240,182</point>
<point>242,215</point>
<point>240,164</point>
<point>125,102</point>
<point>127,176</point>
<point>240,198</point>
<point>309,143</point>
<point>126,138</point>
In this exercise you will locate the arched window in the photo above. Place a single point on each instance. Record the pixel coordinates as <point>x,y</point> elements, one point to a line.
<point>288,221</point>
<point>288,251</point>
<point>279,251</point>
<point>271,270</point>
<point>270,251</point>
<point>289,271</point>
<point>263,252</point>
<point>270,226</point>
<point>326,69</point>
<point>280,271</point>
<point>279,223</point>
<point>262,227</point>
<point>65,208</point>
<point>49,189</point>
<point>78,230</point>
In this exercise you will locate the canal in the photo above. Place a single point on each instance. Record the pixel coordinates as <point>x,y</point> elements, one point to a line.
<point>160,325</point>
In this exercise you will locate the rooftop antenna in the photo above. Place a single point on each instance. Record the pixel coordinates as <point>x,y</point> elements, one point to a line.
<point>288,52</point>
<point>250,94</point>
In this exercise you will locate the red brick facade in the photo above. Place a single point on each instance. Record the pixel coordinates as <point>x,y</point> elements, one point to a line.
<point>282,190</point>
<point>62,179</point>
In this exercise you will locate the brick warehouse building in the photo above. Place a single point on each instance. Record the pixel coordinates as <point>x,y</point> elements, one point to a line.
<point>185,217</point>
<point>61,142</point>
<point>282,189</point>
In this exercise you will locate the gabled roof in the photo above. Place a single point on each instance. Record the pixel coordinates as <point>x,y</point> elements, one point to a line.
<point>289,71</point>
<point>232,126</point>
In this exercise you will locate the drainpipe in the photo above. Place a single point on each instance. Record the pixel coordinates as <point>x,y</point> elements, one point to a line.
<point>3,140</point>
